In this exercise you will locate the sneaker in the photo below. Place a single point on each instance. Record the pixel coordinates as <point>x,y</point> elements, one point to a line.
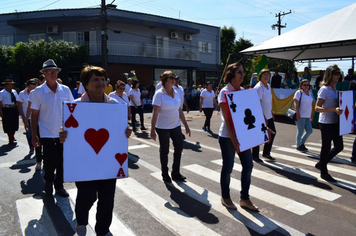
<point>306,149</point>
<point>301,148</point>
<point>204,128</point>
<point>328,178</point>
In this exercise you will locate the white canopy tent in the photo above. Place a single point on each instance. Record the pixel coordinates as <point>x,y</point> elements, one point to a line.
<point>332,36</point>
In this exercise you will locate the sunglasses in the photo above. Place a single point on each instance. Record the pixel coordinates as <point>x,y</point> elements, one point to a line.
<point>240,72</point>
<point>336,73</point>
<point>306,85</point>
<point>171,77</point>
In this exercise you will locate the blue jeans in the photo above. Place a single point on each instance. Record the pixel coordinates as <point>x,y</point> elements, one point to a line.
<point>303,124</point>
<point>329,132</point>
<point>228,155</point>
<point>29,135</point>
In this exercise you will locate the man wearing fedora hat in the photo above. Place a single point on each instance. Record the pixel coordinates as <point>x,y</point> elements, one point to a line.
<point>8,110</point>
<point>46,108</point>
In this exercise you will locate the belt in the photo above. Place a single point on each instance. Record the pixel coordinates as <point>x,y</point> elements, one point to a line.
<point>8,106</point>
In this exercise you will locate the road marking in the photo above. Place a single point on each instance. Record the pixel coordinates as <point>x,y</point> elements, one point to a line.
<point>117,227</point>
<point>264,195</point>
<point>287,183</point>
<point>133,147</point>
<point>318,147</point>
<point>149,143</point>
<point>252,220</point>
<point>175,220</point>
<point>33,216</point>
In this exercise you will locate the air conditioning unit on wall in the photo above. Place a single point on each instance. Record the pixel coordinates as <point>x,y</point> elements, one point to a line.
<point>174,35</point>
<point>52,29</point>
<point>188,37</point>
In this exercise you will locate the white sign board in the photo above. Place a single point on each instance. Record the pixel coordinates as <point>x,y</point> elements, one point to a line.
<point>96,145</point>
<point>346,100</point>
<point>247,118</point>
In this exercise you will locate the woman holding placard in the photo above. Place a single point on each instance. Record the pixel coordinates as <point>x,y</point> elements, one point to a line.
<point>327,105</point>
<point>94,82</point>
<point>166,116</point>
<point>264,92</point>
<point>303,106</point>
<point>234,76</point>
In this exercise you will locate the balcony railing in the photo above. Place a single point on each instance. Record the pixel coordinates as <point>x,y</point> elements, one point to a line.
<point>145,50</point>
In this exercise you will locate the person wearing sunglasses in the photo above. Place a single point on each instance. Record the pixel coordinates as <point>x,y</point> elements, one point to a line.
<point>303,106</point>
<point>327,106</point>
<point>120,95</point>
<point>8,110</point>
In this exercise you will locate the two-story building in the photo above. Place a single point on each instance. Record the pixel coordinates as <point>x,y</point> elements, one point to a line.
<point>147,44</point>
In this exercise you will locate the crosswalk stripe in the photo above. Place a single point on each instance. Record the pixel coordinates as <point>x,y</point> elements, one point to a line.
<point>33,216</point>
<point>117,227</point>
<point>317,146</point>
<point>177,221</point>
<point>307,189</point>
<point>141,140</point>
<point>252,220</point>
<point>312,163</point>
<point>264,195</point>
<point>133,147</point>
<point>307,173</point>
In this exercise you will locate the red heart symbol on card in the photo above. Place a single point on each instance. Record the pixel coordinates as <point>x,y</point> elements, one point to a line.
<point>71,122</point>
<point>96,139</point>
<point>121,158</point>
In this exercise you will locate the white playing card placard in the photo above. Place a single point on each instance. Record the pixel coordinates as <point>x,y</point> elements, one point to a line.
<point>347,117</point>
<point>247,118</point>
<point>96,145</point>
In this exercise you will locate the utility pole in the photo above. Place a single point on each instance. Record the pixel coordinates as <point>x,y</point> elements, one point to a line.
<point>104,36</point>
<point>279,21</point>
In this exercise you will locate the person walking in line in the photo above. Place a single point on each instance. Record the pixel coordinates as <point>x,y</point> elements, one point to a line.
<point>120,95</point>
<point>303,102</point>
<point>46,113</point>
<point>166,117</point>
<point>327,106</point>
<point>229,145</point>
<point>206,104</point>
<point>8,110</point>
<point>136,105</point>
<point>265,95</point>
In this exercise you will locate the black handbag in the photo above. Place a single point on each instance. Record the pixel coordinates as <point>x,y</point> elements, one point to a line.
<point>291,113</point>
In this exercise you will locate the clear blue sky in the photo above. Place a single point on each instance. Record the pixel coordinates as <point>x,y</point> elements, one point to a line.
<point>252,19</point>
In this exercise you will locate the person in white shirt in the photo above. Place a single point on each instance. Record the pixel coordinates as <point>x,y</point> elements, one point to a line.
<point>47,107</point>
<point>8,110</point>
<point>265,95</point>
<point>136,105</point>
<point>121,96</point>
<point>22,105</point>
<point>206,104</point>
<point>128,86</point>
<point>303,103</point>
<point>180,91</point>
<point>166,117</point>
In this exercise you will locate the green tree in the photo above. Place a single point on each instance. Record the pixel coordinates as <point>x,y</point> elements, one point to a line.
<point>227,41</point>
<point>5,52</point>
<point>247,62</point>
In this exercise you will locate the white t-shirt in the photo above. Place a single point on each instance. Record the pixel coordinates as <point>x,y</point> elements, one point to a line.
<point>81,89</point>
<point>121,100</point>
<point>208,101</point>
<point>265,96</point>
<point>159,86</point>
<point>50,108</point>
<point>23,98</point>
<point>305,104</point>
<point>168,114</point>
<point>127,88</point>
<point>5,97</point>
<point>223,132</point>
<point>180,91</point>
<point>331,101</point>
<point>136,97</point>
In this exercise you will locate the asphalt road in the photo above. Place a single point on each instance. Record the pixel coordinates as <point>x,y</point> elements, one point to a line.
<point>292,198</point>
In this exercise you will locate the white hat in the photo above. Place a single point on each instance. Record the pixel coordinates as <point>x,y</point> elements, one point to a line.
<point>49,64</point>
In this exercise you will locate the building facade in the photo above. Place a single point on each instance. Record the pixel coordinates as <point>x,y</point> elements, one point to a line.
<point>146,44</point>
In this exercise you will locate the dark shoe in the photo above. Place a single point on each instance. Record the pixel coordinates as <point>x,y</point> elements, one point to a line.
<point>209,131</point>
<point>258,160</point>
<point>317,165</point>
<point>143,128</point>
<point>203,128</point>
<point>183,136</point>
<point>269,157</point>
<point>62,192</point>
<point>306,149</point>
<point>353,160</point>
<point>328,178</point>
<point>166,178</point>
<point>247,204</point>
<point>228,204</point>
<point>178,177</point>
<point>301,148</point>
<point>48,189</point>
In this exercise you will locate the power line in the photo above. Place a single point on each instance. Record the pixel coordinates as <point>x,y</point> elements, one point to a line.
<point>279,25</point>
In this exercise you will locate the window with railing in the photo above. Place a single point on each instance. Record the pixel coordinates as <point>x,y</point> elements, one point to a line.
<point>6,40</point>
<point>205,47</point>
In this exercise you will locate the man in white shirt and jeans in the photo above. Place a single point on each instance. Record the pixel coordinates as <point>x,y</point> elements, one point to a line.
<point>46,107</point>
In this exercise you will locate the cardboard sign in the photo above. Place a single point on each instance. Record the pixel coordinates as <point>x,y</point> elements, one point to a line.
<point>247,118</point>
<point>96,146</point>
<point>346,101</point>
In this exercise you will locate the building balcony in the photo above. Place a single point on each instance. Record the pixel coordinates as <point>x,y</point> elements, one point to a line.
<point>145,50</point>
